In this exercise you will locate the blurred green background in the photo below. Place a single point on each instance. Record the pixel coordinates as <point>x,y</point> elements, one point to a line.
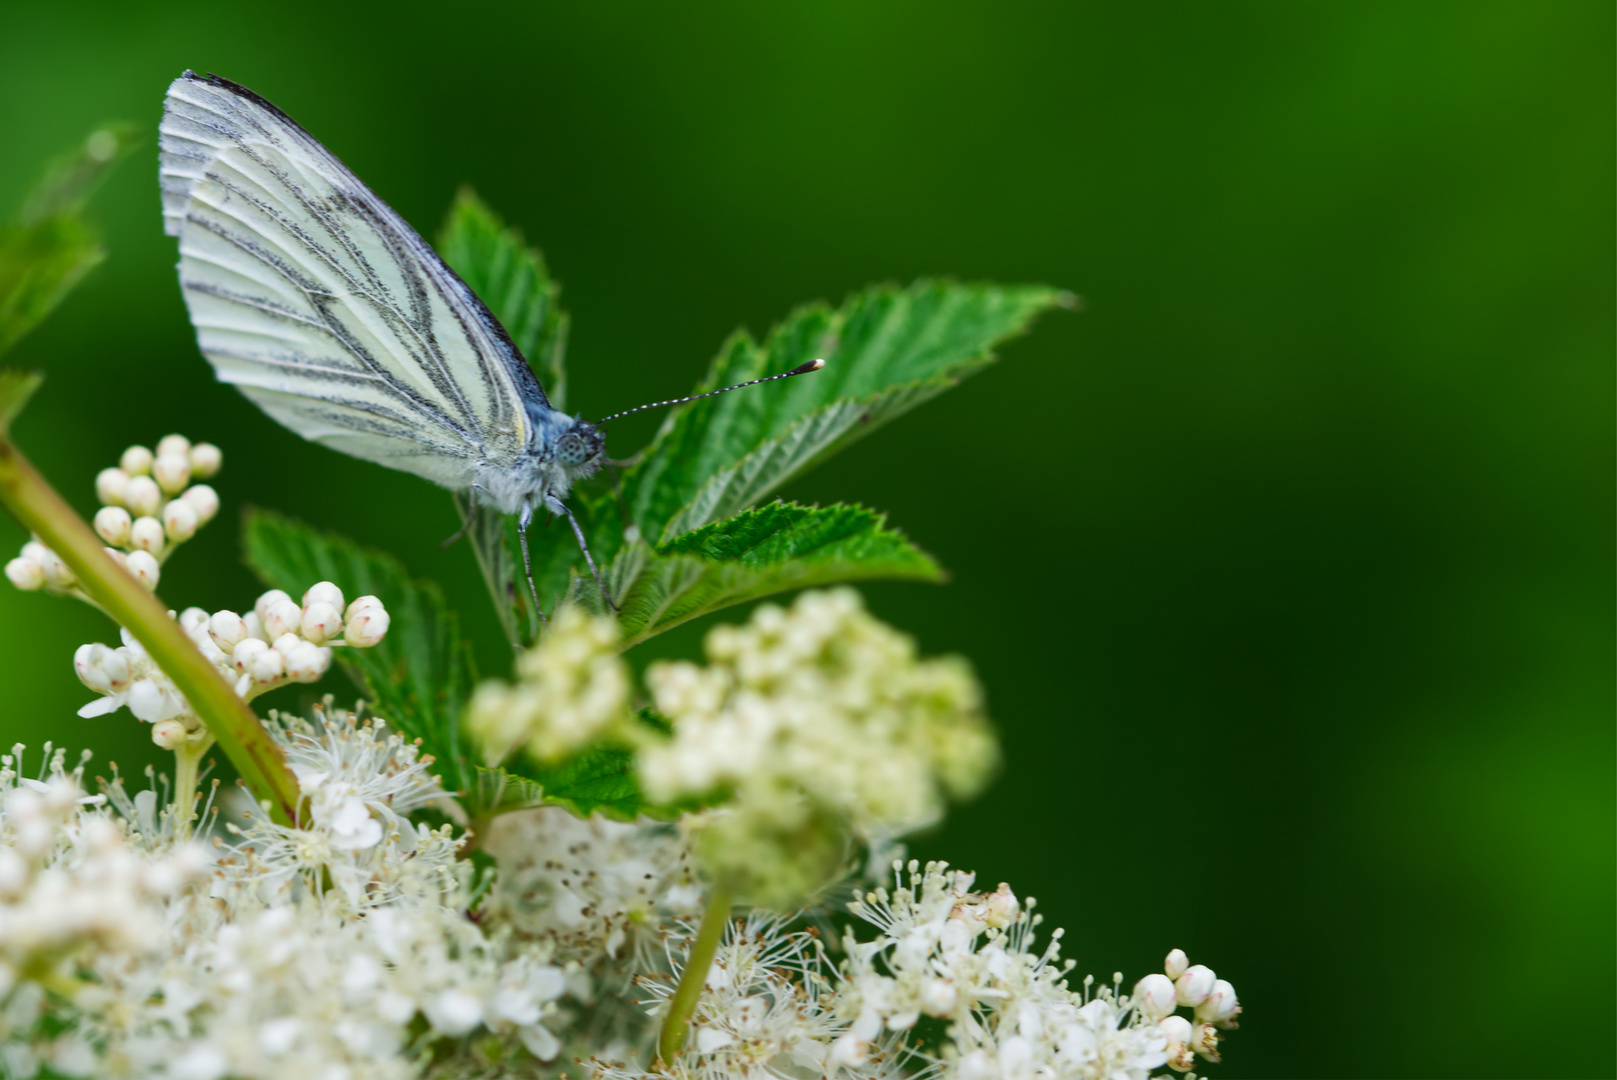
<point>1287,563</point>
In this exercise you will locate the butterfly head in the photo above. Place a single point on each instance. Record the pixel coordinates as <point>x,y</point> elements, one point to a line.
<point>581,449</point>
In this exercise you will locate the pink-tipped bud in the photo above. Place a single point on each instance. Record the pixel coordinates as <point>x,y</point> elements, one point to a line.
<point>1220,1008</point>
<point>87,665</point>
<point>172,472</point>
<point>263,603</point>
<point>110,485</point>
<point>363,603</point>
<point>142,495</point>
<point>146,534</point>
<point>1177,1030</point>
<point>169,734</point>
<point>142,565</point>
<point>321,622</point>
<point>112,525</point>
<point>323,592</point>
<point>57,575</point>
<point>179,521</point>
<point>227,629</point>
<point>367,628</point>
<point>136,461</point>
<point>204,500</point>
<point>1155,995</point>
<point>281,617</point>
<point>25,573</point>
<point>173,446</point>
<point>246,650</point>
<point>1195,984</point>
<point>206,459</point>
<point>307,662</point>
<point>1176,963</point>
<point>265,667</point>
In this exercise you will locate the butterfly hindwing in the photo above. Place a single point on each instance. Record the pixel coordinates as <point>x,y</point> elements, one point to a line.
<point>322,305</point>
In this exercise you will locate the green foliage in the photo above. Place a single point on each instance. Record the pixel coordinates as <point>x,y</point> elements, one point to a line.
<point>50,245</point>
<point>16,388</point>
<point>768,550</point>
<point>511,279</point>
<point>679,537</point>
<point>419,675</point>
<point>886,350</point>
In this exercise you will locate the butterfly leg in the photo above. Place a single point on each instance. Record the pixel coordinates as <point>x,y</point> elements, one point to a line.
<point>558,507</point>
<point>527,563</point>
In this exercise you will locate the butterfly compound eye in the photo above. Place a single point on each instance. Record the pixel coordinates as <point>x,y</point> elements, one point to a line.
<point>571,449</point>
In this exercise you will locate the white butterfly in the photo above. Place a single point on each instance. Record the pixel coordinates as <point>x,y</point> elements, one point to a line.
<point>328,311</point>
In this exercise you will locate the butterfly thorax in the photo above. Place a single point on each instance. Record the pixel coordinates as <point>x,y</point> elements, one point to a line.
<point>560,451</point>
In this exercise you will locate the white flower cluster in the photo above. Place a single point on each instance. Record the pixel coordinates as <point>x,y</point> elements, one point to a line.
<point>572,688</point>
<point>826,700</point>
<point>331,950</point>
<point>595,890</point>
<point>774,1005</point>
<point>149,506</point>
<point>73,892</point>
<point>278,642</point>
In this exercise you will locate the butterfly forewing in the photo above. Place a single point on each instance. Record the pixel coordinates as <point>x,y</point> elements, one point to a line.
<point>322,305</point>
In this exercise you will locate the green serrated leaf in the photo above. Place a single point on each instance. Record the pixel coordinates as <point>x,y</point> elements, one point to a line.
<point>767,550</point>
<point>419,675</point>
<point>511,278</point>
<point>886,350</point>
<point>16,388</point>
<point>49,247</point>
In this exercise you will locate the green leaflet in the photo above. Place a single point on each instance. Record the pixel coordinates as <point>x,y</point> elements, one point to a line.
<point>16,388</point>
<point>886,350</point>
<point>512,280</point>
<point>49,247</point>
<point>419,676</point>
<point>768,550</point>
<point>599,778</point>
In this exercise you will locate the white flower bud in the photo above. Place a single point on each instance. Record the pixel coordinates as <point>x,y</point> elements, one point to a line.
<point>114,667</point>
<point>263,603</point>
<point>323,592</point>
<point>282,617</point>
<point>321,621</point>
<point>110,485</point>
<point>57,575</point>
<point>1220,1006</point>
<point>148,702</point>
<point>227,629</point>
<point>306,662</point>
<point>938,997</point>
<point>367,628</point>
<point>205,460</point>
<point>1195,984</point>
<point>179,520</point>
<point>119,557</point>
<point>1176,963</point>
<point>363,603</point>
<point>204,500</point>
<point>143,496</point>
<point>1155,995</point>
<point>143,566</point>
<point>172,472</point>
<point>136,461</point>
<point>168,734</point>
<point>255,628</point>
<point>25,573</point>
<point>146,534</point>
<point>194,620</point>
<point>1176,1029</point>
<point>285,642</point>
<point>246,651</point>
<point>87,667</point>
<point>112,525</point>
<point>264,667</point>
<point>173,445</point>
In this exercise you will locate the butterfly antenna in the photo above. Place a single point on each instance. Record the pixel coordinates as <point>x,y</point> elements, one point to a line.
<point>801,369</point>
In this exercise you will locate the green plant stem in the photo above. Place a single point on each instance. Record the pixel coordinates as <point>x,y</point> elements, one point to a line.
<point>32,500</point>
<point>672,1037</point>
<point>187,760</point>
